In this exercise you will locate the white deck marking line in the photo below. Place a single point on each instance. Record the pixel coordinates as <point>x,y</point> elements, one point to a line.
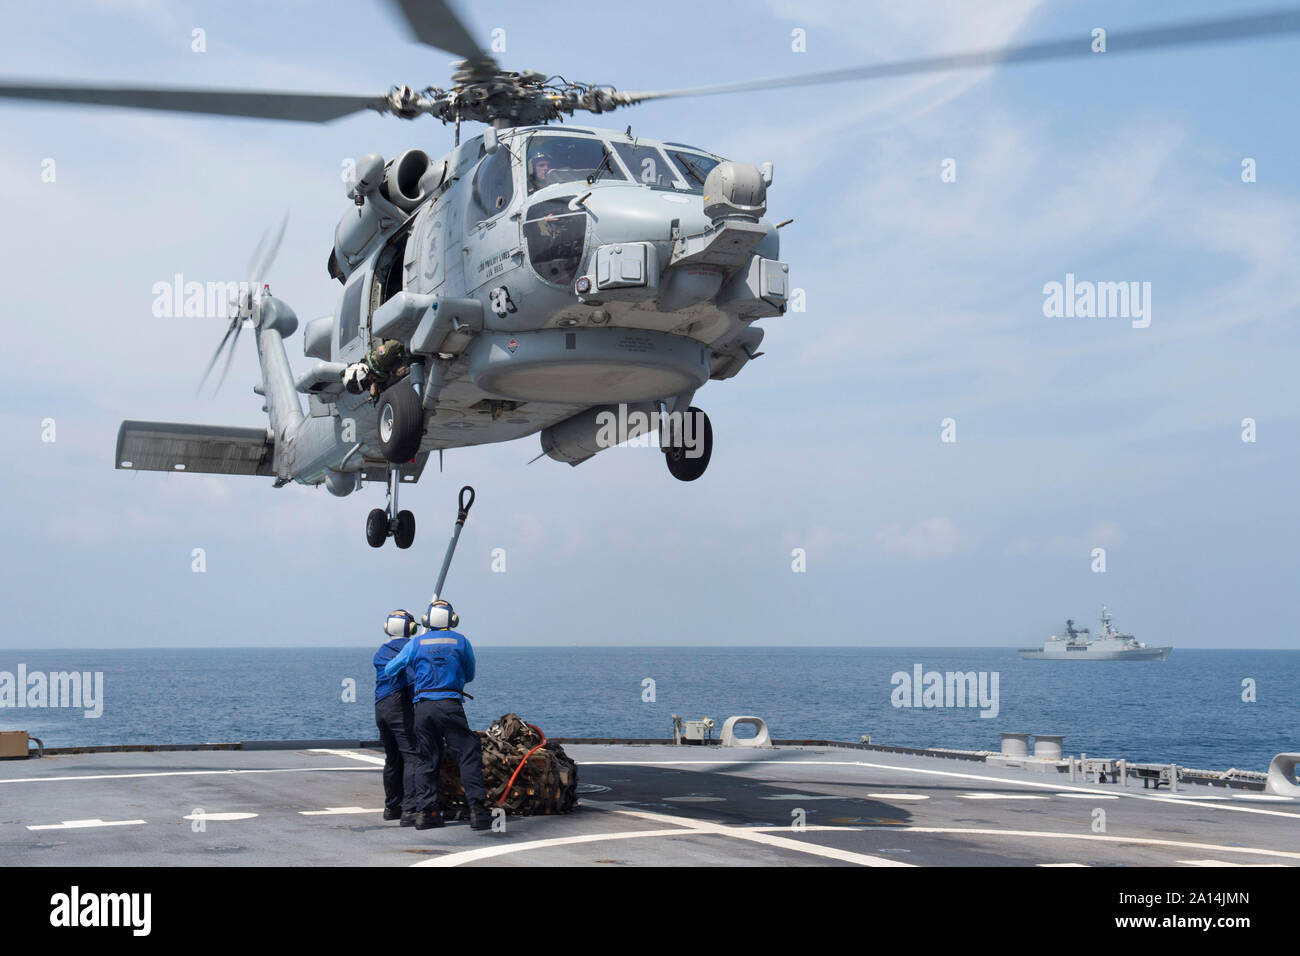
<point>1223,863</point>
<point>1004,796</point>
<point>1093,796</point>
<point>804,796</point>
<point>694,799</point>
<point>367,758</point>
<point>177,773</point>
<point>1041,833</point>
<point>699,828</point>
<point>329,811</point>
<point>219,817</point>
<point>487,852</point>
<point>1006,781</point>
<point>899,796</point>
<point>87,824</point>
<point>1275,797</point>
<point>1193,797</point>
<point>1095,837</point>
<point>687,827</point>
<point>752,834</point>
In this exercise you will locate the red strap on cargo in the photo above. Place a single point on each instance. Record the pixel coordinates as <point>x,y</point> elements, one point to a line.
<point>505,793</point>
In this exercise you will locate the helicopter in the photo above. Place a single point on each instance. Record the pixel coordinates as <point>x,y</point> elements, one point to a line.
<point>541,277</point>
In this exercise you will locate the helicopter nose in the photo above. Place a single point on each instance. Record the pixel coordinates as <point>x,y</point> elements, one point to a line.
<point>622,214</point>
<point>681,248</point>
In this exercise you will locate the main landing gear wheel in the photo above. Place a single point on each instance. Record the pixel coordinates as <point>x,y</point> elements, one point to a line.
<point>386,522</point>
<point>680,465</point>
<point>377,528</point>
<point>401,422</point>
<point>404,532</point>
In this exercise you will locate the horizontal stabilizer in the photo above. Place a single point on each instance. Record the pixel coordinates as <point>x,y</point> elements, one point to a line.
<point>207,449</point>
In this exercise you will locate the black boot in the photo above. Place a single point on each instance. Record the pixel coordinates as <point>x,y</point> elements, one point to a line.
<point>392,814</point>
<point>408,819</point>
<point>480,817</point>
<point>428,820</point>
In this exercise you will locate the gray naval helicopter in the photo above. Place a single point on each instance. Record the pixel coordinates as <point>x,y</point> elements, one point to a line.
<point>536,278</point>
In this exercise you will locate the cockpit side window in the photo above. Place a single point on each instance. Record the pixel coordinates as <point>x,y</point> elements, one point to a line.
<point>494,185</point>
<point>555,235</point>
<point>566,159</point>
<point>694,167</point>
<point>647,166</point>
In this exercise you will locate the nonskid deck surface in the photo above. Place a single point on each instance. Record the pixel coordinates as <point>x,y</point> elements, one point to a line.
<point>641,805</point>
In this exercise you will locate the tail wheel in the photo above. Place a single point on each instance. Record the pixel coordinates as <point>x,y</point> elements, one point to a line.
<point>681,465</point>
<point>401,422</point>
<point>404,533</point>
<point>377,527</point>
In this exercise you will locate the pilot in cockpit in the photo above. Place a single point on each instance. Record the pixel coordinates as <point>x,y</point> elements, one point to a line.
<point>539,167</point>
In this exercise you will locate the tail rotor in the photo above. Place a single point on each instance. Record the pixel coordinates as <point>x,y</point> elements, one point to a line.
<point>247,303</point>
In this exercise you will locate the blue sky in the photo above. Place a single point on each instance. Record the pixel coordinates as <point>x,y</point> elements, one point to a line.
<point>924,303</point>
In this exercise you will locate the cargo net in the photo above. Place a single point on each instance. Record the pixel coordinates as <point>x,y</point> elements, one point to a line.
<point>522,772</point>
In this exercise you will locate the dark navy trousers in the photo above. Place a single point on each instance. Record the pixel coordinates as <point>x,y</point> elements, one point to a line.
<point>438,722</point>
<point>402,761</point>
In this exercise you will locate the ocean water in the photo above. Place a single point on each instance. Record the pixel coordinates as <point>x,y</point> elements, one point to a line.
<point>1189,709</point>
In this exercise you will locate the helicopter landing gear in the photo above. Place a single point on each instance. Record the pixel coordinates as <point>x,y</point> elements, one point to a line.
<point>376,527</point>
<point>678,453</point>
<point>384,522</point>
<point>401,421</point>
<point>404,529</point>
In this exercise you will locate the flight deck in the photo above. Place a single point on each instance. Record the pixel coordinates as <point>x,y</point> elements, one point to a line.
<point>319,803</point>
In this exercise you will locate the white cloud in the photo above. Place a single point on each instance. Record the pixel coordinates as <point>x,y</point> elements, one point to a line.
<point>926,540</point>
<point>1105,534</point>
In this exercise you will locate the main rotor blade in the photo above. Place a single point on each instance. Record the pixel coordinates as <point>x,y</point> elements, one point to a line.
<point>434,23</point>
<point>258,104</point>
<point>1255,26</point>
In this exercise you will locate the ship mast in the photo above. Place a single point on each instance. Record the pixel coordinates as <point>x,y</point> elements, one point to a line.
<point>1106,629</point>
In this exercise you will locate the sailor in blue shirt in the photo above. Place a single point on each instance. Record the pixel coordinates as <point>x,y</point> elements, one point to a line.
<point>441,662</point>
<point>396,721</point>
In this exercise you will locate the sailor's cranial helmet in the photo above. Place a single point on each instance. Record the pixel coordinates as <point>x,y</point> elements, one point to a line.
<point>441,615</point>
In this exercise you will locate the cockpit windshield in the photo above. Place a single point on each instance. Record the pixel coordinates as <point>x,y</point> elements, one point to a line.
<point>694,167</point>
<point>566,159</point>
<point>647,165</point>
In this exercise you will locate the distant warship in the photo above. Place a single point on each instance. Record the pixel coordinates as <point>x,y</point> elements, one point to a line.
<point>1076,645</point>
